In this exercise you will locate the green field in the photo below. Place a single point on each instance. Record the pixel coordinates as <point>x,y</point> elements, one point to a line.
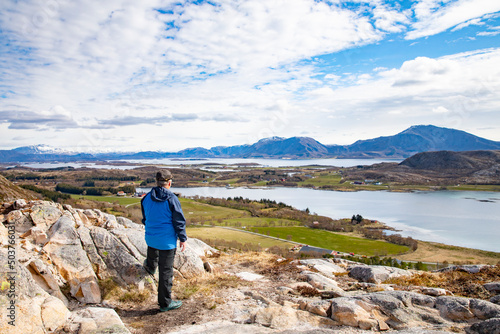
<point>212,233</point>
<point>322,179</point>
<point>333,241</point>
<point>110,199</point>
<point>194,211</point>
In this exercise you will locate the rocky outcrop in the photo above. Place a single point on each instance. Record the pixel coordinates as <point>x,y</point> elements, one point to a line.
<point>96,320</point>
<point>61,254</point>
<point>324,266</point>
<point>376,274</point>
<point>68,256</point>
<point>400,310</point>
<point>34,310</point>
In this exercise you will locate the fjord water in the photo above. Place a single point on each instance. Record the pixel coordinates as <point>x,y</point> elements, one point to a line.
<point>461,218</point>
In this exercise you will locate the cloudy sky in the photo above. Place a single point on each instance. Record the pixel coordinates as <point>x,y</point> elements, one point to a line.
<point>166,75</point>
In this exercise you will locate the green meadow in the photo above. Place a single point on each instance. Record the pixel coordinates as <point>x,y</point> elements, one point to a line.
<point>333,241</point>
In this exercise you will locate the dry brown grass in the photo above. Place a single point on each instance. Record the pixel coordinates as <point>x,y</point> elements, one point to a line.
<point>435,252</point>
<point>206,287</point>
<point>461,283</point>
<point>308,291</point>
<point>110,290</point>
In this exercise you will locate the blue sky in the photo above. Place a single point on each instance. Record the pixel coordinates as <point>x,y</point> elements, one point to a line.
<point>167,75</point>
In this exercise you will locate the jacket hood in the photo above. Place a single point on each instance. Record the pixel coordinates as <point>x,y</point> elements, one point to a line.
<point>160,194</point>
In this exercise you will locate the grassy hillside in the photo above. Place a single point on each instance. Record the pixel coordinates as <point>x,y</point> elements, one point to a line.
<point>10,192</point>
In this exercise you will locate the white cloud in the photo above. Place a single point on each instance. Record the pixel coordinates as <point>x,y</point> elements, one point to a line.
<point>163,70</point>
<point>440,110</point>
<point>419,92</point>
<point>476,22</point>
<point>432,17</point>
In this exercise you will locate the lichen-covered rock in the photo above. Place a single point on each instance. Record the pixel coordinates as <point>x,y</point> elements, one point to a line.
<point>454,308</point>
<point>324,266</point>
<point>319,307</point>
<point>30,298</point>
<point>200,248</point>
<point>493,287</point>
<point>120,264</point>
<point>72,262</point>
<point>21,220</point>
<point>436,292</point>
<point>97,320</point>
<point>495,299</point>
<point>47,278</point>
<point>44,214</point>
<point>376,274</point>
<point>54,313</point>
<point>483,309</point>
<point>387,309</point>
<point>490,326</point>
<point>320,282</point>
<point>125,222</point>
<point>99,266</point>
<point>352,312</point>
<point>188,263</point>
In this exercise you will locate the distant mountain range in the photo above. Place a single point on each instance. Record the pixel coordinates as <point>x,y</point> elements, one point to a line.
<point>416,139</point>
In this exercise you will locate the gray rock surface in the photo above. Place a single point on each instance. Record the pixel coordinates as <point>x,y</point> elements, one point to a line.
<point>121,265</point>
<point>321,282</point>
<point>324,266</point>
<point>59,246</point>
<point>67,254</point>
<point>376,274</point>
<point>96,320</point>
<point>493,287</point>
<point>490,326</point>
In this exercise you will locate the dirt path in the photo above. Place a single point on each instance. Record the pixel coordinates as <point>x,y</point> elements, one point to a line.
<point>149,320</point>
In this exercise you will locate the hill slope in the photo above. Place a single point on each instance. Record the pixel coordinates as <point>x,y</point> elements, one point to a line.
<point>10,192</point>
<point>420,138</point>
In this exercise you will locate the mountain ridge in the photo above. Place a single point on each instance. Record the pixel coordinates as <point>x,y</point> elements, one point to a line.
<point>416,139</point>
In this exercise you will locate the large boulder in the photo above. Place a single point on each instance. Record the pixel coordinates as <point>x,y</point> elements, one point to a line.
<point>493,287</point>
<point>384,310</point>
<point>321,282</point>
<point>285,317</point>
<point>352,312</point>
<point>44,214</point>
<point>490,326</point>
<point>200,248</point>
<point>34,311</point>
<point>376,274</point>
<point>120,263</point>
<point>324,266</point>
<point>188,263</point>
<point>96,320</point>
<point>21,220</point>
<point>454,308</point>
<point>66,252</point>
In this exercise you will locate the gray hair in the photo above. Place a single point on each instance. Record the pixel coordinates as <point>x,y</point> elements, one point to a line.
<point>161,183</point>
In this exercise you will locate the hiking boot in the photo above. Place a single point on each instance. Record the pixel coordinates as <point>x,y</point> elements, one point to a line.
<point>172,306</point>
<point>151,272</point>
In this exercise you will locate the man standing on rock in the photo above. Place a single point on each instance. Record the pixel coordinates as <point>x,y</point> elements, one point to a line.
<point>165,223</point>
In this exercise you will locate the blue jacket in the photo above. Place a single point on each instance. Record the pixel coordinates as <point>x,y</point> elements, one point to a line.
<point>163,217</point>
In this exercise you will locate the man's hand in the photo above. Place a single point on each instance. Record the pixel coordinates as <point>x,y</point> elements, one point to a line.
<point>182,246</point>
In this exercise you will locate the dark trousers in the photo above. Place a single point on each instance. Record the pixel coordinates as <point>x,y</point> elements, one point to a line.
<point>164,259</point>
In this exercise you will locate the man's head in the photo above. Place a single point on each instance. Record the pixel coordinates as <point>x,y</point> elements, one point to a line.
<point>163,178</point>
